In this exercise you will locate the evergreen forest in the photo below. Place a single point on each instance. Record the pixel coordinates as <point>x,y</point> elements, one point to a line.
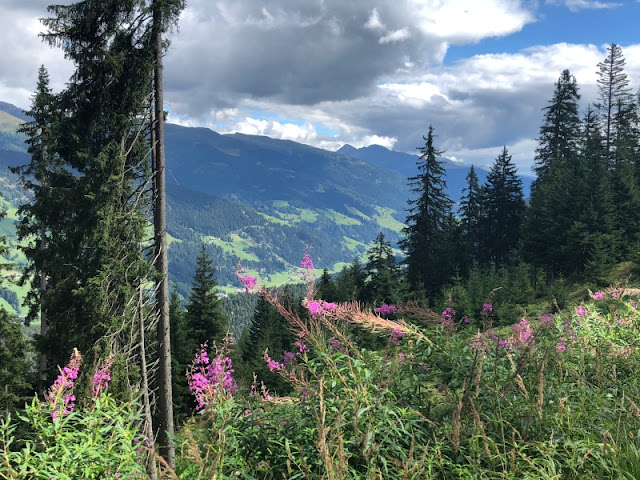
<point>494,335</point>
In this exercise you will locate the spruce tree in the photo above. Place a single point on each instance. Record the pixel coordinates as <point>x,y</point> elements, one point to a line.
<point>426,218</point>
<point>557,142</point>
<point>504,207</point>
<point>326,288</point>
<point>382,273</point>
<point>204,320</point>
<point>615,95</point>
<point>471,216</point>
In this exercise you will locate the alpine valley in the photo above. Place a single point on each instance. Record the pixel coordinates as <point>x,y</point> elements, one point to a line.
<point>256,201</point>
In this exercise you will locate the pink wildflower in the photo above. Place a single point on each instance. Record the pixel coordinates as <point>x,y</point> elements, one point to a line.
<point>208,379</point>
<point>402,356</point>
<point>396,335</point>
<point>62,389</point>
<point>597,296</point>
<point>385,309</point>
<point>545,318</point>
<point>314,307</point>
<point>329,306</point>
<point>487,308</point>
<point>580,310</point>
<point>466,319</point>
<point>102,377</point>
<point>522,332</point>
<point>615,295</point>
<point>272,364</point>
<point>301,347</point>
<point>306,263</point>
<point>249,282</point>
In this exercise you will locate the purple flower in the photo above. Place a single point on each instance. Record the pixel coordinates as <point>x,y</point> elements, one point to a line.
<point>522,332</point>
<point>396,335</point>
<point>306,263</point>
<point>502,343</point>
<point>314,307</point>
<point>60,395</point>
<point>634,304</point>
<point>487,308</point>
<point>385,309</point>
<point>329,306</point>
<point>466,319</point>
<point>208,379</point>
<point>580,310</point>
<point>336,345</point>
<point>272,364</point>
<point>402,356</point>
<point>615,294</point>
<point>561,347</point>
<point>301,347</point>
<point>102,377</point>
<point>598,296</point>
<point>249,282</point>
<point>545,318</point>
<point>289,358</point>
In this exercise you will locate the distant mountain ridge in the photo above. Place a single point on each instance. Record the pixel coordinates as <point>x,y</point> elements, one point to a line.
<point>258,201</point>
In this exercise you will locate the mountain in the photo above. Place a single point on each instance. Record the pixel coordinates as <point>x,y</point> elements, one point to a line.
<point>405,164</point>
<point>255,201</point>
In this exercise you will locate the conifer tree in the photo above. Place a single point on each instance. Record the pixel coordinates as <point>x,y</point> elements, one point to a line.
<point>557,142</point>
<point>504,209</point>
<point>382,273</point>
<point>471,216</point>
<point>426,218</point>
<point>615,96</point>
<point>204,320</point>
<point>326,287</point>
<point>269,332</point>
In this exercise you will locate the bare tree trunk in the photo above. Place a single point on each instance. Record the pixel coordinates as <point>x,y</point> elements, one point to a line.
<point>165,395</point>
<point>148,420</point>
<point>44,362</point>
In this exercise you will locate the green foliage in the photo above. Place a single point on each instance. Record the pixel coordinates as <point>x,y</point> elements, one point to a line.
<point>100,440</point>
<point>426,219</point>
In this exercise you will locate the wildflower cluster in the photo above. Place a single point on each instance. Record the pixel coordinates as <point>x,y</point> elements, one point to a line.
<point>447,319</point>
<point>102,377</point>
<point>60,396</point>
<point>522,334</point>
<point>385,309</point>
<point>317,307</point>
<point>396,336</point>
<point>209,379</point>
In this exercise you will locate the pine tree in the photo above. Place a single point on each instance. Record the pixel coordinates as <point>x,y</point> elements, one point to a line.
<point>269,332</point>
<point>471,217</point>
<point>504,207</point>
<point>615,96</point>
<point>326,288</point>
<point>204,319</point>
<point>426,218</point>
<point>557,142</point>
<point>382,273</point>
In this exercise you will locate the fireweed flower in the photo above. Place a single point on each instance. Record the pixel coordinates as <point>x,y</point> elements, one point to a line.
<point>385,309</point>
<point>545,318</point>
<point>580,310</point>
<point>272,364</point>
<point>487,308</point>
<point>306,263</point>
<point>447,318</point>
<point>466,319</point>
<point>102,377</point>
<point>396,335</point>
<point>522,333</point>
<point>249,282</point>
<point>314,307</point>
<point>302,348</point>
<point>60,396</point>
<point>598,296</point>
<point>208,379</point>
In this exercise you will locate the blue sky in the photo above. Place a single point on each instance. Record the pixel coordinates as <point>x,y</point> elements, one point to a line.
<point>330,72</point>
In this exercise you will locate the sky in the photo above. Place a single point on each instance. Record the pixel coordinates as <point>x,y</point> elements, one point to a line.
<point>361,72</point>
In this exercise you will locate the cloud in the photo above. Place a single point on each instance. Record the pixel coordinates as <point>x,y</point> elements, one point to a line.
<point>577,5</point>
<point>309,52</point>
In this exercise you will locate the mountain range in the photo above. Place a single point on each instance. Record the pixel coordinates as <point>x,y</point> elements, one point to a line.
<point>258,201</point>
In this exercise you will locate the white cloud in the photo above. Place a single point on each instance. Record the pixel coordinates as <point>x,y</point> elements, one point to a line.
<point>522,152</point>
<point>374,22</point>
<point>463,21</point>
<point>576,5</point>
<point>395,36</point>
